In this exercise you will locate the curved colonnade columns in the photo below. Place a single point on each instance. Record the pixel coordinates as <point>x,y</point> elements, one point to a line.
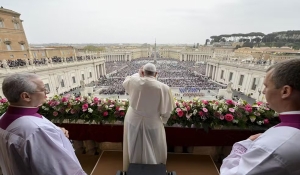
<point>117,57</point>
<point>195,57</point>
<point>246,78</point>
<point>212,71</point>
<point>100,70</point>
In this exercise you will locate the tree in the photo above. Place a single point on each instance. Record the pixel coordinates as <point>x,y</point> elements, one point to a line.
<point>206,41</point>
<point>216,38</point>
<point>279,44</point>
<point>223,40</point>
<point>248,44</point>
<point>256,40</point>
<point>237,46</point>
<point>93,48</point>
<point>269,38</point>
<point>246,40</point>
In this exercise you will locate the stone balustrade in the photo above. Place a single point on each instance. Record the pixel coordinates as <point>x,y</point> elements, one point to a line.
<point>49,66</point>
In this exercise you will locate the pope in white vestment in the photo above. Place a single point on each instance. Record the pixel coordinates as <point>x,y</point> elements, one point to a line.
<point>151,103</point>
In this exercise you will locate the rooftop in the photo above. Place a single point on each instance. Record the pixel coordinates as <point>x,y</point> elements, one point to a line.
<point>8,11</point>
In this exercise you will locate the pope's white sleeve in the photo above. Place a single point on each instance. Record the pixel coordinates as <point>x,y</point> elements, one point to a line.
<point>47,154</point>
<point>165,117</point>
<point>136,75</point>
<point>126,82</point>
<point>255,160</point>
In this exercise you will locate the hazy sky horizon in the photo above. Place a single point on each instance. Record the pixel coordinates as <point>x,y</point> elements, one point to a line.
<point>135,21</point>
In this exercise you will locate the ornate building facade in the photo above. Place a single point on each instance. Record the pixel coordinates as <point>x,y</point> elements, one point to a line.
<point>13,41</point>
<point>60,77</point>
<point>245,77</point>
<point>50,52</point>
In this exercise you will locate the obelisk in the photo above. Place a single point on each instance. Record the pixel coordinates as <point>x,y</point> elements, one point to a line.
<point>155,52</point>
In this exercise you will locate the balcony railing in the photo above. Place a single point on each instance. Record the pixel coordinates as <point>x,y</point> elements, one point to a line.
<point>196,113</point>
<point>31,66</point>
<point>251,66</point>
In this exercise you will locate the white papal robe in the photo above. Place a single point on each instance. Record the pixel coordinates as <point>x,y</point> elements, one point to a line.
<point>35,146</point>
<point>151,103</point>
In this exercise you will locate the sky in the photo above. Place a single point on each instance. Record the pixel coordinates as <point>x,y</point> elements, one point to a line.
<point>139,21</point>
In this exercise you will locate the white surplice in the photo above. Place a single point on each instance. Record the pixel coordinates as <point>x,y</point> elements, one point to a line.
<point>35,146</point>
<point>275,152</point>
<point>151,103</point>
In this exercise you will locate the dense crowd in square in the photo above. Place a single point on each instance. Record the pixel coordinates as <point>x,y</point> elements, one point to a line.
<point>174,73</point>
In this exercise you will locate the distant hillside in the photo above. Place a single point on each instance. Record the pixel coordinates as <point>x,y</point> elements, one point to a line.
<point>289,38</point>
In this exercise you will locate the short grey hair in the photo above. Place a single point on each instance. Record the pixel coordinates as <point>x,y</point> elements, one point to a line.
<point>286,73</point>
<point>149,73</point>
<point>13,85</point>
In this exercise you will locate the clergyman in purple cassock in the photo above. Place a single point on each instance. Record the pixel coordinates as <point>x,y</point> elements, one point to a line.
<point>29,143</point>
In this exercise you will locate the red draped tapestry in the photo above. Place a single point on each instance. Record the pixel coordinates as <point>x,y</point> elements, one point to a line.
<point>176,136</point>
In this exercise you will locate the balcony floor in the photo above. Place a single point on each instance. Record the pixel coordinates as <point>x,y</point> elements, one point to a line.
<point>109,162</point>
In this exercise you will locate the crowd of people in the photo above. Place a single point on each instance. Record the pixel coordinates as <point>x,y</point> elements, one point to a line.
<point>200,68</point>
<point>113,66</point>
<point>15,63</point>
<point>81,58</point>
<point>114,85</point>
<point>42,61</point>
<point>189,89</point>
<point>172,72</point>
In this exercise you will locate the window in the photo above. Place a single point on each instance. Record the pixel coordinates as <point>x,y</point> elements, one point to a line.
<point>43,54</point>
<point>62,83</point>
<point>25,55</point>
<point>22,47</point>
<point>241,80</point>
<point>74,80</point>
<point>254,84</point>
<point>11,56</point>
<point>8,46</point>
<point>82,75</point>
<point>90,74</point>
<point>16,25</point>
<point>230,76</point>
<point>222,74</point>
<point>34,55</point>
<point>1,24</point>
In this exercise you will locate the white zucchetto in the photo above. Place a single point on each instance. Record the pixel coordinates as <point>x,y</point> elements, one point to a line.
<point>149,67</point>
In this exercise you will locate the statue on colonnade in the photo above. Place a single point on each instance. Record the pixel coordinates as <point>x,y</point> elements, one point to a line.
<point>31,61</point>
<point>4,64</point>
<point>229,87</point>
<point>26,61</point>
<point>46,60</point>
